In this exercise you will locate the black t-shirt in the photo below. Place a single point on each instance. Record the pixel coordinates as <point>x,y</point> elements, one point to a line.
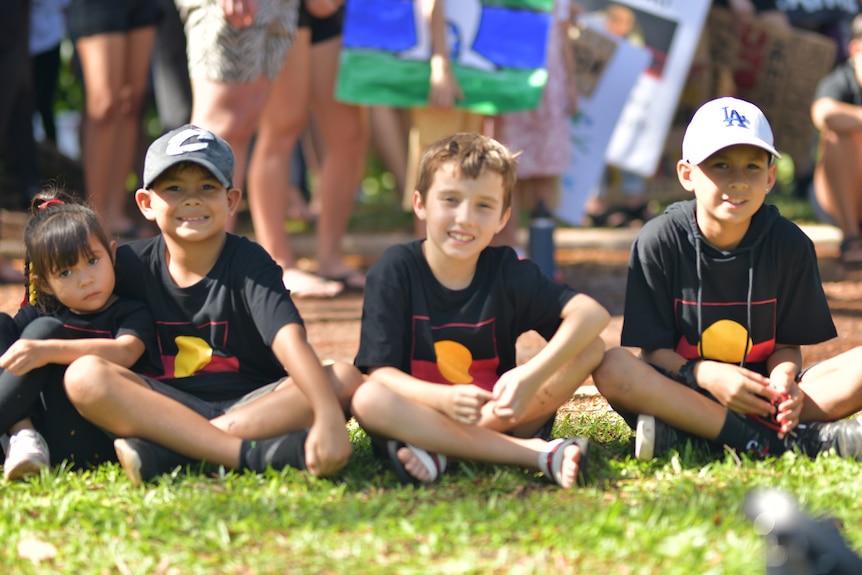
<point>785,305</point>
<point>841,84</point>
<point>123,317</point>
<point>412,322</point>
<point>214,337</point>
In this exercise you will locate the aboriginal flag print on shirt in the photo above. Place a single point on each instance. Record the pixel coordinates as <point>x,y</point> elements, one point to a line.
<point>725,336</point>
<point>187,352</point>
<point>411,322</point>
<point>460,353</point>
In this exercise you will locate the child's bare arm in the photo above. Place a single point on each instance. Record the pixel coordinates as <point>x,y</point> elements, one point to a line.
<point>27,354</point>
<point>327,448</point>
<point>463,403</point>
<point>583,321</point>
<point>737,388</point>
<point>784,364</point>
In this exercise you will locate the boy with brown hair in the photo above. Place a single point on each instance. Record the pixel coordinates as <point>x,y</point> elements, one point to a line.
<point>241,386</point>
<point>722,294</point>
<point>440,321</point>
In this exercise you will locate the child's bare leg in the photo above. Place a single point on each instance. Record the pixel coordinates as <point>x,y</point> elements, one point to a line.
<point>634,386</point>
<point>551,395</point>
<point>116,399</point>
<point>287,408</point>
<point>384,412</point>
<point>25,423</point>
<point>833,388</point>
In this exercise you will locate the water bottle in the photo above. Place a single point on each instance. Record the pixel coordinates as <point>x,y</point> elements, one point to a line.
<point>541,248</point>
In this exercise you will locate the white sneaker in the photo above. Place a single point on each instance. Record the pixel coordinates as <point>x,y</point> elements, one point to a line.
<point>27,453</point>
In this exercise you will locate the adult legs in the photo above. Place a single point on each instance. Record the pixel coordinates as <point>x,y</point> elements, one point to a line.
<point>837,180</point>
<point>171,84</point>
<point>115,68</point>
<point>344,128</point>
<point>282,122</point>
<point>230,110</point>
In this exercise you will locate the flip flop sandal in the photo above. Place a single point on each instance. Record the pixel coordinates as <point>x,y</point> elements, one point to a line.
<point>353,281</point>
<point>435,463</point>
<point>551,460</point>
<point>851,250</point>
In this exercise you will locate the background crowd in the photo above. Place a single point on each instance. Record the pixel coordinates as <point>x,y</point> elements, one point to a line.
<point>261,74</point>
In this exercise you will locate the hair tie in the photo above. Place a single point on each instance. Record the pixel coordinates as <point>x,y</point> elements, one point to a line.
<point>31,285</point>
<point>51,202</point>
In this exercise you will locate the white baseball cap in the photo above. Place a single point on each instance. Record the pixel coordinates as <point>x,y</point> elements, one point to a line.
<point>725,122</point>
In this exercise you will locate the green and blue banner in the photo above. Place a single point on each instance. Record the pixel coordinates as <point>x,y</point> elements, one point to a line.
<point>497,47</point>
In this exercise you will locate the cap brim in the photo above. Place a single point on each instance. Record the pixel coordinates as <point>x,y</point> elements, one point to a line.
<point>742,140</point>
<point>199,161</point>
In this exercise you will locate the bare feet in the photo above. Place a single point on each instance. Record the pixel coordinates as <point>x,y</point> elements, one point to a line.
<point>413,466</point>
<point>570,467</point>
<point>305,284</point>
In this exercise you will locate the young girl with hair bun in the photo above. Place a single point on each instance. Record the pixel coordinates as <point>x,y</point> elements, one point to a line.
<point>69,311</point>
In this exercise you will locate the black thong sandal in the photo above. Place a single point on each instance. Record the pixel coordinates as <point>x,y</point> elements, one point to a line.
<point>851,250</point>
<point>551,460</point>
<point>435,463</point>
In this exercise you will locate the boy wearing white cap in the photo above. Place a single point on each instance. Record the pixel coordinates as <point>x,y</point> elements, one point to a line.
<point>722,293</point>
<point>241,386</point>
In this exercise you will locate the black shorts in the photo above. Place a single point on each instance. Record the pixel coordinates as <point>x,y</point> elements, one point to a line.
<point>322,29</point>
<point>210,409</point>
<point>92,17</point>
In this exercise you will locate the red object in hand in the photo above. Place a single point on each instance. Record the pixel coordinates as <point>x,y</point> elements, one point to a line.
<point>770,421</point>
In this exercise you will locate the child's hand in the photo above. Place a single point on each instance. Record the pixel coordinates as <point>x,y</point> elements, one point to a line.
<point>327,448</point>
<point>24,356</point>
<point>512,396</point>
<point>737,388</point>
<point>789,408</point>
<point>465,403</point>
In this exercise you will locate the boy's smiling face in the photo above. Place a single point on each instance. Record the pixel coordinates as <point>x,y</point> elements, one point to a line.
<point>188,203</point>
<point>462,215</point>
<point>730,186</point>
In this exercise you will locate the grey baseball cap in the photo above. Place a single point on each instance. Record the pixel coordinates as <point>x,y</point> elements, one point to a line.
<point>189,143</point>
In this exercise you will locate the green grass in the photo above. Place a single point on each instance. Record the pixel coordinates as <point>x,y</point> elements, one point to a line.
<point>680,514</point>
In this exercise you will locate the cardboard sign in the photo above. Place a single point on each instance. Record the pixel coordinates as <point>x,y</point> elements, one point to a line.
<point>776,69</point>
<point>670,30</point>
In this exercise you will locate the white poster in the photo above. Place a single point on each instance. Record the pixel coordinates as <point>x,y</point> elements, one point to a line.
<point>607,70</point>
<point>670,30</point>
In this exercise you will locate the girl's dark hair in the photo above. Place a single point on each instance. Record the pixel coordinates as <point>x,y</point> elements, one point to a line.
<point>56,237</point>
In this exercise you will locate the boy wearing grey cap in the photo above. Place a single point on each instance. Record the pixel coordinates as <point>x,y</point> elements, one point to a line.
<point>241,386</point>
<point>722,293</point>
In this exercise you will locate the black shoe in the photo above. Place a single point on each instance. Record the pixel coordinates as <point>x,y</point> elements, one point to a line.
<point>286,450</point>
<point>844,436</point>
<point>143,460</point>
<point>655,438</point>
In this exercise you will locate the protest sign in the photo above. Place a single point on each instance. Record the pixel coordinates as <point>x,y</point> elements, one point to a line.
<point>776,69</point>
<point>670,30</point>
<point>607,69</point>
<point>497,48</point>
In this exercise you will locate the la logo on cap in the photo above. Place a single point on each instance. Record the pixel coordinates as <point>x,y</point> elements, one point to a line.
<point>733,117</point>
